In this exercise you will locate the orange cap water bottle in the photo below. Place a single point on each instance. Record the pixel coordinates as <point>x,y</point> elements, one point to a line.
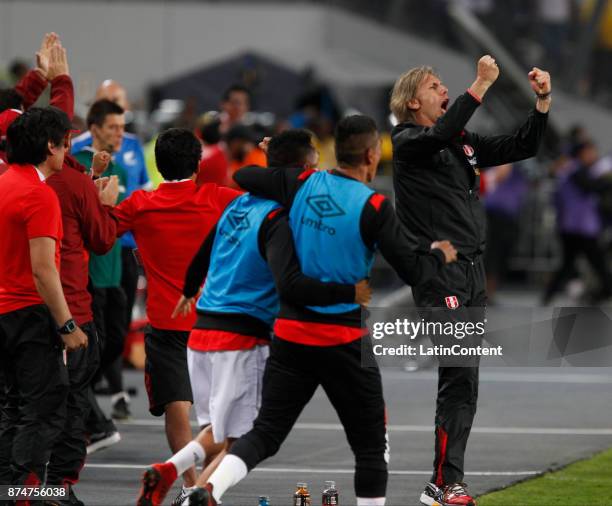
<point>302,496</point>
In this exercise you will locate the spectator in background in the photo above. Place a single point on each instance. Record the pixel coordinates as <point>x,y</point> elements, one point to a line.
<point>18,69</point>
<point>130,156</point>
<point>318,111</point>
<point>506,189</point>
<point>243,151</point>
<point>236,102</point>
<point>214,163</point>
<point>555,18</point>
<point>149,153</point>
<point>113,91</point>
<point>323,130</point>
<point>579,223</point>
<point>601,71</point>
<point>106,122</point>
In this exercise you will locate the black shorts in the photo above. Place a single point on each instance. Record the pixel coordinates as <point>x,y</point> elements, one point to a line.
<point>166,373</point>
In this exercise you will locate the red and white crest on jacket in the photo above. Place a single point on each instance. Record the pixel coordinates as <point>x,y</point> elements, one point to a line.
<point>468,150</point>
<point>452,302</point>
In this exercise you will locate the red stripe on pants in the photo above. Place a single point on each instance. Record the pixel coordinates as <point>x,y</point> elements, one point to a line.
<point>443,441</point>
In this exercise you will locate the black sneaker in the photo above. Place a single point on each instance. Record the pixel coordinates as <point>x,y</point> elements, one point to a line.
<point>121,407</point>
<point>202,497</point>
<point>102,440</point>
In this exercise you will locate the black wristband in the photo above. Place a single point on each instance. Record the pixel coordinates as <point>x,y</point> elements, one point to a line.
<point>543,96</point>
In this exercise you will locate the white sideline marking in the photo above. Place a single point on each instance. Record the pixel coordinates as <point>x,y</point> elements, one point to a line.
<point>329,471</point>
<point>491,376</point>
<point>539,431</point>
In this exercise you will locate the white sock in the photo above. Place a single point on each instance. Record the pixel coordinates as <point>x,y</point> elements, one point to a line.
<point>371,501</point>
<point>188,456</point>
<point>231,470</point>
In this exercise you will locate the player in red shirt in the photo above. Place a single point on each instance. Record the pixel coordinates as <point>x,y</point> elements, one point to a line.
<point>169,225</point>
<point>36,325</point>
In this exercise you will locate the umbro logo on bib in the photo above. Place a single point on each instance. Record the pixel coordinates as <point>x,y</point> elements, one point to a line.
<point>324,206</point>
<point>238,220</point>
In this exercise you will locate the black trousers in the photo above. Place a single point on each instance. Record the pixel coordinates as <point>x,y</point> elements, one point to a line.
<point>292,374</point>
<point>34,414</point>
<point>109,308</point>
<point>457,386</point>
<point>109,319</point>
<point>70,450</point>
<point>573,246</point>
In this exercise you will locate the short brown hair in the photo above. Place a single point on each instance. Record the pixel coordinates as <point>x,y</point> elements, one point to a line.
<point>405,89</point>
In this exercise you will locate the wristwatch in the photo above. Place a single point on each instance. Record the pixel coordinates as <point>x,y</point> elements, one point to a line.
<point>68,328</point>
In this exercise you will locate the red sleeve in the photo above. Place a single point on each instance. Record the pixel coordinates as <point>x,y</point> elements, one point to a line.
<point>42,214</point>
<point>62,95</point>
<point>98,227</point>
<point>124,213</point>
<point>30,88</point>
<point>226,195</point>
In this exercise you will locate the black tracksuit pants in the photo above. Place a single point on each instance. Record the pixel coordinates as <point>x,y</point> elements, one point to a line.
<point>37,380</point>
<point>110,317</point>
<point>457,386</point>
<point>293,373</point>
<point>70,449</point>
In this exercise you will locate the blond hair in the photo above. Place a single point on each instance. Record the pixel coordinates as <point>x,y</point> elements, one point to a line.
<point>405,89</point>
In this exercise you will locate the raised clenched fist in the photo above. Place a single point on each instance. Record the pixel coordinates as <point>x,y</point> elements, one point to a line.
<point>540,81</point>
<point>488,70</point>
<point>100,163</point>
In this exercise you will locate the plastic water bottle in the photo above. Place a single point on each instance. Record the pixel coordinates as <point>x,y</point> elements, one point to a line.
<point>264,500</point>
<point>302,496</point>
<point>330,494</point>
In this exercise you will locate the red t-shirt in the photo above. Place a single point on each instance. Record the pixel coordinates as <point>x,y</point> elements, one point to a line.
<point>169,225</point>
<point>28,209</point>
<point>213,166</point>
